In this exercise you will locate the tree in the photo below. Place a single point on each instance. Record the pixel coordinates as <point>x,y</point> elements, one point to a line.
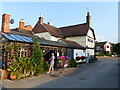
<point>116,48</point>
<point>37,54</point>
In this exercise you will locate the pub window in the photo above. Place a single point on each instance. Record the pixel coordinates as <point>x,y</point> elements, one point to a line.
<point>22,52</point>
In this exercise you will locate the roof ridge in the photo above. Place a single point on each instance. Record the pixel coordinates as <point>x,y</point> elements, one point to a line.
<point>45,28</point>
<point>53,27</point>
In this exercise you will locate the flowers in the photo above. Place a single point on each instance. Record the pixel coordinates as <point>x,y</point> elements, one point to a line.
<point>80,57</point>
<point>64,57</point>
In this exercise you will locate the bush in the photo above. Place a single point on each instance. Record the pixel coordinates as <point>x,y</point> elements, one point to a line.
<point>73,63</point>
<point>45,66</point>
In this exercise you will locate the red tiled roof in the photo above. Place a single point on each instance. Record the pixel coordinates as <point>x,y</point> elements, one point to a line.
<point>72,44</point>
<point>68,31</point>
<point>40,28</point>
<point>76,30</point>
<point>53,30</point>
<point>24,32</point>
<point>100,43</point>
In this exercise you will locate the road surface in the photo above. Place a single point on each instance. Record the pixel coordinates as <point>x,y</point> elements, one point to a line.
<point>102,74</point>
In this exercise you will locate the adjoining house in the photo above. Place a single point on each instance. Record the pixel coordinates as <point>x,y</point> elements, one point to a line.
<point>103,47</point>
<point>82,34</point>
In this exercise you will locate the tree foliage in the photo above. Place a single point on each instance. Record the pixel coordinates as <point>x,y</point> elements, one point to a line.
<point>36,53</point>
<point>116,48</point>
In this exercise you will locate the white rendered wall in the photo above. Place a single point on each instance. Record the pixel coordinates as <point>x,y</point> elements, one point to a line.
<point>54,38</point>
<point>79,39</point>
<point>89,52</point>
<point>90,36</point>
<point>47,36</point>
<point>108,44</point>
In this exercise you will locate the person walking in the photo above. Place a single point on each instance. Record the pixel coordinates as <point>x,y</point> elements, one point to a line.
<point>51,63</point>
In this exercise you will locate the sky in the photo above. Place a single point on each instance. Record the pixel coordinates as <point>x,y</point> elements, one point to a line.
<point>104,15</point>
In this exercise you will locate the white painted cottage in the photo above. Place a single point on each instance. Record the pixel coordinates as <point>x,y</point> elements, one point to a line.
<point>103,47</point>
<point>82,34</point>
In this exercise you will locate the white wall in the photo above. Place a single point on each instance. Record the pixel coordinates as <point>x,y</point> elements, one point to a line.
<point>79,39</point>
<point>54,38</point>
<point>47,36</point>
<point>90,34</point>
<point>108,44</point>
<point>90,39</point>
<point>90,43</point>
<point>89,52</point>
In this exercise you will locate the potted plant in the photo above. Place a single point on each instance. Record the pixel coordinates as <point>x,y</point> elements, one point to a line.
<point>13,76</point>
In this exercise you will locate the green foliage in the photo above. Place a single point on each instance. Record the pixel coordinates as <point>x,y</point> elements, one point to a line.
<point>37,54</point>
<point>27,66</point>
<point>21,66</point>
<point>116,48</point>
<point>73,63</point>
<point>11,51</point>
<point>100,54</point>
<point>13,73</point>
<point>39,70</point>
<point>45,66</point>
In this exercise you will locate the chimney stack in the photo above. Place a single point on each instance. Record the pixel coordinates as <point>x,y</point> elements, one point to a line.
<point>88,18</point>
<point>48,23</point>
<point>5,23</point>
<point>41,19</point>
<point>21,24</point>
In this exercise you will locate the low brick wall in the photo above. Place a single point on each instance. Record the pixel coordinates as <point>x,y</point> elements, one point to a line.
<point>3,74</point>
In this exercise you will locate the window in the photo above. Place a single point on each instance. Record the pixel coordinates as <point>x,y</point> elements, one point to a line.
<point>22,52</point>
<point>90,40</point>
<point>107,46</point>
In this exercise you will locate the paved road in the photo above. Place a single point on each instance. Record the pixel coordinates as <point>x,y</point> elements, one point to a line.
<point>103,74</point>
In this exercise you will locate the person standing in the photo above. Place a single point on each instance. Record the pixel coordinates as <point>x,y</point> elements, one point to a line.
<point>51,63</point>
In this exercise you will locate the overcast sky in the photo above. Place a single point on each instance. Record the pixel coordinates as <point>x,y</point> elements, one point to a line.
<point>104,15</point>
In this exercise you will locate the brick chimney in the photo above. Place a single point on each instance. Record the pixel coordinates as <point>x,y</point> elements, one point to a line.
<point>48,23</point>
<point>41,19</point>
<point>88,18</point>
<point>21,24</point>
<point>5,23</point>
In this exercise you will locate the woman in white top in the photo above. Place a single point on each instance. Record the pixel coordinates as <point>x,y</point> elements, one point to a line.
<point>52,63</point>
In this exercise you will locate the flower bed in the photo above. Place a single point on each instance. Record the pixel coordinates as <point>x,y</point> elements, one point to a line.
<point>63,61</point>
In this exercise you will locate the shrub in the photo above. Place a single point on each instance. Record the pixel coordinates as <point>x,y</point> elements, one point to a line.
<point>73,63</point>
<point>45,66</point>
<point>100,54</point>
<point>39,70</point>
